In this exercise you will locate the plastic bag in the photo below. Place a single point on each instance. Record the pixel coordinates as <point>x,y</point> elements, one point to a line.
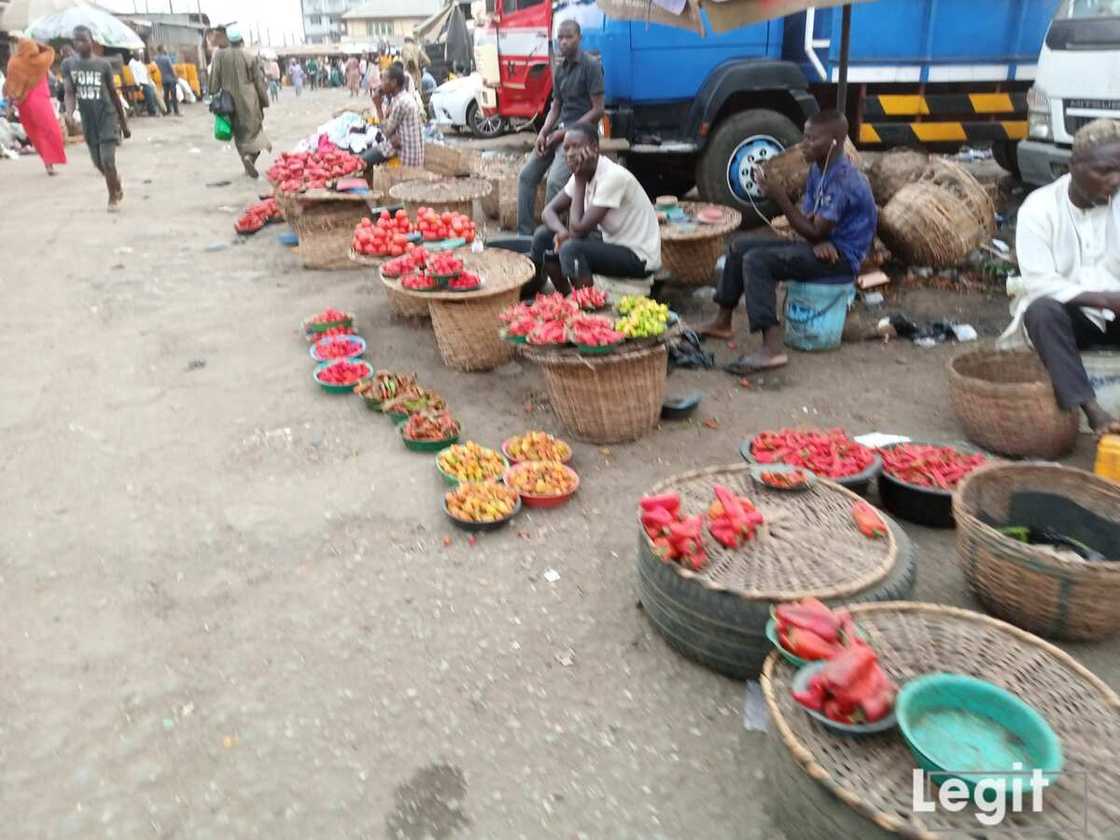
<point>223,131</point>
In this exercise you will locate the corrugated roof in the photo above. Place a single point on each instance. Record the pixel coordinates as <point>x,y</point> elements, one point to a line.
<point>393,9</point>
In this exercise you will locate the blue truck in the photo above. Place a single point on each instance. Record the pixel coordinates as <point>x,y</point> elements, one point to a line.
<point>703,108</point>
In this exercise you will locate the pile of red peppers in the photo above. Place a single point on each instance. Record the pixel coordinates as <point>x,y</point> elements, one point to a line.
<point>810,630</point>
<point>732,519</point>
<point>674,537</point>
<point>831,453</point>
<point>925,465</point>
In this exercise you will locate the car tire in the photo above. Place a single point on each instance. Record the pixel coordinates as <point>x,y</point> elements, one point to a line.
<point>727,633</point>
<point>1006,154</point>
<point>738,141</point>
<point>482,126</point>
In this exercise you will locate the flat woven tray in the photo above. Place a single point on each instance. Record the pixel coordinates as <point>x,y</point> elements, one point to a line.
<point>440,192</point>
<point>873,775</point>
<point>810,546</point>
<point>671,232</point>
<point>502,270</point>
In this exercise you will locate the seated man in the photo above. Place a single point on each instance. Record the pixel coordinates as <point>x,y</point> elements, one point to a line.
<point>400,122</point>
<point>601,197</point>
<point>837,219</point>
<point>1068,244</point>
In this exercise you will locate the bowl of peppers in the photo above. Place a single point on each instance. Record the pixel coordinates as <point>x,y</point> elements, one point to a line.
<point>827,453</point>
<point>849,693</point>
<point>918,479</point>
<point>808,631</point>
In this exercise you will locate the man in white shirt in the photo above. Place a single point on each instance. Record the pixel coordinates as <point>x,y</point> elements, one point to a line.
<point>144,82</point>
<point>1068,244</point>
<point>601,198</point>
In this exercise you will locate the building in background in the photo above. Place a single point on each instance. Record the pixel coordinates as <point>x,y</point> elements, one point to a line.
<point>388,20</point>
<point>322,19</point>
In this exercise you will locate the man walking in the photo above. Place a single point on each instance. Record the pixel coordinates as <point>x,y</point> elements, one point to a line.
<point>89,84</point>
<point>240,74</point>
<point>577,97</point>
<point>169,78</point>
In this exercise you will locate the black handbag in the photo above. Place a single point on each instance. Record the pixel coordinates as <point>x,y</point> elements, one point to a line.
<point>222,103</point>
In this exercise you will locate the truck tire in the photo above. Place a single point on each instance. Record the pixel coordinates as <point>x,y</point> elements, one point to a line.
<point>1006,154</point>
<point>740,141</point>
<point>727,633</point>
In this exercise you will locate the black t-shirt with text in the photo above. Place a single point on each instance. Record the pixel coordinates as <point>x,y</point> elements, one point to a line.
<point>91,79</point>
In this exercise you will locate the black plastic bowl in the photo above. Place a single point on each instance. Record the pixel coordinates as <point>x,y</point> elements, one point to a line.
<point>929,506</point>
<point>482,526</point>
<point>859,483</point>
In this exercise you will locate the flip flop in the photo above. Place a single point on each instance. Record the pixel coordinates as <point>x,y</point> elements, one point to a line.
<point>740,368</point>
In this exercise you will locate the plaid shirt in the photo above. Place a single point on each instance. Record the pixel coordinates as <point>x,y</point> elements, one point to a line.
<point>402,130</point>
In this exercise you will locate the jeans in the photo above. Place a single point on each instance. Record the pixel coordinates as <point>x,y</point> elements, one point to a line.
<point>756,265</point>
<point>579,260</point>
<point>150,99</point>
<point>274,90</point>
<point>558,174</point>
<point>1058,332</point>
<point>171,96</point>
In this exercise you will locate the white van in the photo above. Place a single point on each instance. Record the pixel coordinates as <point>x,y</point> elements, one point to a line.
<point>1078,81</point>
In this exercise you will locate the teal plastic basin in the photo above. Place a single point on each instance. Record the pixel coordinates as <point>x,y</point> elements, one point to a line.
<point>964,728</point>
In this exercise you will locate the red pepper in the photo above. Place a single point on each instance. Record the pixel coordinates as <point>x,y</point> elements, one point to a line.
<point>686,529</point>
<point>868,520</point>
<point>880,702</point>
<point>813,695</point>
<point>731,507</point>
<point>664,549</point>
<point>666,501</point>
<point>792,615</point>
<point>808,645</point>
<point>657,521</point>
<point>848,666</point>
<point>725,533</point>
<point>834,711</point>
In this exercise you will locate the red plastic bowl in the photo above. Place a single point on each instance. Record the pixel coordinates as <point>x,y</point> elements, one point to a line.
<point>532,501</point>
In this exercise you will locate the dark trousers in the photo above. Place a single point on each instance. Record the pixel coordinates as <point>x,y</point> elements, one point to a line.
<point>1059,331</point>
<point>149,92</point>
<point>171,96</point>
<point>373,156</point>
<point>756,265</point>
<point>579,259</point>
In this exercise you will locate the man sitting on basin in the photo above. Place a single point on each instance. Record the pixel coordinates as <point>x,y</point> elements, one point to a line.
<point>1067,298</point>
<point>837,219</point>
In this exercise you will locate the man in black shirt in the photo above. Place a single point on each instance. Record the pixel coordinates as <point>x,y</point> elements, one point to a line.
<point>577,96</point>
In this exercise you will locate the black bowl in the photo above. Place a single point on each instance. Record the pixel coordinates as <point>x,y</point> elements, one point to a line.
<point>859,483</point>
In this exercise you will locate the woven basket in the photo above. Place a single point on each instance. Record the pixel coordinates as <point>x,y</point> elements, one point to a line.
<point>287,204</point>
<point>894,170</point>
<point>1035,587</point>
<point>494,170</point>
<point>507,202</point>
<point>1005,401</point>
<point>467,332</point>
<point>690,257</point>
<point>960,182</point>
<point>325,225</point>
<point>406,306</point>
<point>927,225</point>
<point>446,196</point>
<point>790,170</point>
<point>607,399</point>
<point>384,178</point>
<point>449,161</point>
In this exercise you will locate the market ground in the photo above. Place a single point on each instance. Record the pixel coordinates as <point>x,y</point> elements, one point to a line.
<point>228,608</point>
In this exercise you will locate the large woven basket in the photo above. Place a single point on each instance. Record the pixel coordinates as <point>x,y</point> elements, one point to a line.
<point>971,193</point>
<point>287,203</point>
<point>894,170</point>
<point>406,306</point>
<point>927,225</point>
<point>507,201</point>
<point>449,161</point>
<point>494,170</point>
<point>790,169</point>
<point>384,178</point>
<point>607,399</point>
<point>325,223</point>
<point>691,256</point>
<point>1005,401</point>
<point>1035,587</point>
<point>446,196</point>
<point>466,331</point>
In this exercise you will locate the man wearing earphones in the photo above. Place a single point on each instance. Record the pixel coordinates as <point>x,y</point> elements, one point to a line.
<point>837,220</point>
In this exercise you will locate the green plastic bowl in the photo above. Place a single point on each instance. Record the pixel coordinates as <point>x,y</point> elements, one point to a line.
<point>599,350</point>
<point>959,727</point>
<point>338,389</point>
<point>426,445</point>
<point>452,481</point>
<point>772,635</point>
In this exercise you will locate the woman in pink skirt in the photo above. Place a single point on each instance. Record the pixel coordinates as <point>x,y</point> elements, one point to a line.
<point>26,85</point>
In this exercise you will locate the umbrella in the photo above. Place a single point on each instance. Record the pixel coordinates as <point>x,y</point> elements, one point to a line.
<point>107,30</point>
<point>18,13</point>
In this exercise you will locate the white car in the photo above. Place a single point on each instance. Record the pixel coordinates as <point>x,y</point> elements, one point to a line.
<point>455,104</point>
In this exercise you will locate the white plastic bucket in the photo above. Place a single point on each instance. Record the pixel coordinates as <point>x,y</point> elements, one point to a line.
<point>1103,367</point>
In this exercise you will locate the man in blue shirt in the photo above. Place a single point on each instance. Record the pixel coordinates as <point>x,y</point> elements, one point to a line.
<point>837,219</point>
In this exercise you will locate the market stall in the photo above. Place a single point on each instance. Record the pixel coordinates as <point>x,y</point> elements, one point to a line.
<point>466,322</point>
<point>831,784</point>
<point>714,608</point>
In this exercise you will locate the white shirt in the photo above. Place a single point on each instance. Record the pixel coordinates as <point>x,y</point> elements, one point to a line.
<point>1063,252</point>
<point>139,72</point>
<point>631,220</point>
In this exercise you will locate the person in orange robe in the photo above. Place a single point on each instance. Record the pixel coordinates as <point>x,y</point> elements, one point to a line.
<point>26,85</point>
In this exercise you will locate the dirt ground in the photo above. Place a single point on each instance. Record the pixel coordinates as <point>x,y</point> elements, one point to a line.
<point>228,608</point>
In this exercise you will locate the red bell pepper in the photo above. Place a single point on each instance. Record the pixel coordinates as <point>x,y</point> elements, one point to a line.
<point>848,667</point>
<point>868,520</point>
<point>657,521</point>
<point>725,533</point>
<point>666,501</point>
<point>813,695</point>
<point>793,615</point>
<point>731,507</point>
<point>808,645</point>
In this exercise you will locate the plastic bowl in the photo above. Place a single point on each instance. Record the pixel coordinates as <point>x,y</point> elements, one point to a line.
<point>338,389</point>
<point>930,506</point>
<point>964,728</point>
<point>757,472</point>
<point>452,481</point>
<point>599,350</point>
<point>858,483</point>
<point>543,502</point>
<point>515,461</point>
<point>336,338</point>
<point>801,681</point>
<point>311,327</point>
<point>772,635</point>
<point>481,526</point>
<point>513,339</point>
<point>426,445</point>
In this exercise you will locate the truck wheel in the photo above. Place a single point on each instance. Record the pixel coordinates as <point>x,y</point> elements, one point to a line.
<point>483,126</point>
<point>724,173</point>
<point>1006,154</point>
